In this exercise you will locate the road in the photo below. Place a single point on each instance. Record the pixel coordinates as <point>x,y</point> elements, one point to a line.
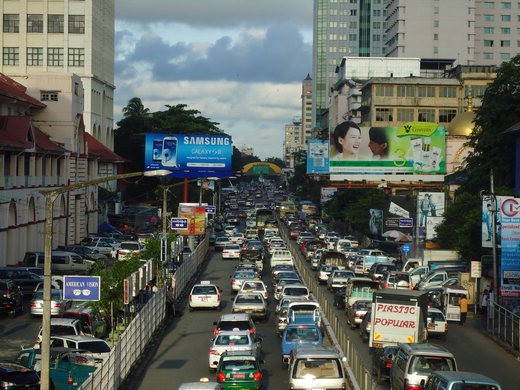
<point>16,332</point>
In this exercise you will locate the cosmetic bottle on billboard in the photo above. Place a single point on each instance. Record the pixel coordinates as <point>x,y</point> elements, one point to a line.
<point>436,158</point>
<point>426,154</point>
<point>416,144</point>
<point>169,152</point>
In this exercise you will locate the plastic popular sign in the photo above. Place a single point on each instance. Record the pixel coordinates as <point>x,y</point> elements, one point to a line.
<point>414,147</point>
<point>189,155</point>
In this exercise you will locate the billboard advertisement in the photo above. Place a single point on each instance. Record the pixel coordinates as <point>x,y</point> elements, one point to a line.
<point>413,148</point>
<point>510,237</point>
<point>196,216</point>
<point>430,213</point>
<point>489,208</point>
<point>327,193</point>
<point>317,156</point>
<point>189,155</point>
<point>398,209</point>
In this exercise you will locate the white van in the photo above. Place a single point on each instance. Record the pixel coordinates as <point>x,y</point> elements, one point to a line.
<point>281,256</point>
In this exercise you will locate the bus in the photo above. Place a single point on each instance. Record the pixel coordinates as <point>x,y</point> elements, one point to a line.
<point>264,217</point>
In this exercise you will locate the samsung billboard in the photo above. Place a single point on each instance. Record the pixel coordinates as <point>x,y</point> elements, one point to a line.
<point>189,155</point>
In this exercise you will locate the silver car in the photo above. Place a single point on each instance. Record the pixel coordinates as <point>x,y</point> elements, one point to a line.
<point>252,303</point>
<point>58,304</point>
<point>238,278</point>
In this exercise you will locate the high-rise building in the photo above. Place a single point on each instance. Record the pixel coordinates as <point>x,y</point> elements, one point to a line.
<point>442,33</point>
<point>307,108</point>
<point>45,43</point>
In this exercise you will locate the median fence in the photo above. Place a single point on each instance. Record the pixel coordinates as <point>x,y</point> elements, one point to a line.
<point>503,325</point>
<point>360,377</point>
<point>140,331</point>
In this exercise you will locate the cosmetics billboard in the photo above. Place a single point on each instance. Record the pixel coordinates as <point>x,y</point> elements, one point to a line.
<point>317,156</point>
<point>413,148</point>
<point>189,155</point>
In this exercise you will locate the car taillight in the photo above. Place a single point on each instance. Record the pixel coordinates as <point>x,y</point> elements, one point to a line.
<point>233,281</point>
<point>388,364</point>
<point>216,331</point>
<point>412,387</point>
<point>251,330</point>
<point>214,352</point>
<point>221,377</point>
<point>257,376</point>
<point>33,304</point>
<point>191,298</point>
<point>385,285</point>
<point>57,305</point>
<point>219,297</point>
<point>7,294</point>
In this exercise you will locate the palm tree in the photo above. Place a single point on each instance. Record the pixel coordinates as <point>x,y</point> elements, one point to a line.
<point>135,109</point>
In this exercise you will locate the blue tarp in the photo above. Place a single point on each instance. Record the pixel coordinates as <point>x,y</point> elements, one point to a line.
<point>105,227</point>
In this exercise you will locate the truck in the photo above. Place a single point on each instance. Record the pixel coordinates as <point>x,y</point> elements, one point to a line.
<point>334,258</point>
<point>398,316</point>
<point>299,334</point>
<point>68,368</point>
<point>433,258</point>
<point>304,313</point>
<point>368,257</point>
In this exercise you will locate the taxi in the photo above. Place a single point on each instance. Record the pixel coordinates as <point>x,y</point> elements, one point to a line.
<point>239,370</point>
<point>235,340</point>
<point>204,295</point>
<point>255,286</point>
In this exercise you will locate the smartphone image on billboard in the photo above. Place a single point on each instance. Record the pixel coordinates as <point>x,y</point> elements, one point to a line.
<point>157,150</point>
<point>169,152</point>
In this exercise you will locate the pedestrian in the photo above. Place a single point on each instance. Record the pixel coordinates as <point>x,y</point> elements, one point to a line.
<point>170,301</point>
<point>484,300</point>
<point>463,303</point>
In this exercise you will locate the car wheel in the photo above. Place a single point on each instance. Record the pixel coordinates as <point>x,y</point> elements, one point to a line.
<point>190,308</point>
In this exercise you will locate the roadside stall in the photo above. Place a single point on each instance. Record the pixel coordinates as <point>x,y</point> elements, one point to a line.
<point>450,300</point>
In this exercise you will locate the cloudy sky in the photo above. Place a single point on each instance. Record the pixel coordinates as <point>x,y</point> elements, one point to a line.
<point>239,62</point>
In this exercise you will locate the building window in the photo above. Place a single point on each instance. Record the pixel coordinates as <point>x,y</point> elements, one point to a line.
<point>489,4</point>
<point>76,57</point>
<point>426,92</point>
<point>55,24</point>
<point>384,90</point>
<point>488,43</point>
<point>405,90</point>
<point>506,5</point>
<point>488,56</point>
<point>384,115</point>
<point>425,115</point>
<point>34,23</point>
<point>505,30</point>
<point>77,24</point>
<point>435,23</point>
<point>435,37</point>
<point>352,37</point>
<point>405,115</point>
<point>49,96</point>
<point>505,43</point>
<point>447,92</point>
<point>489,30</point>
<point>55,56</point>
<point>35,56</point>
<point>445,116</point>
<point>11,23</point>
<point>489,18</point>
<point>353,12</point>
<point>11,56</point>
<point>505,56</point>
<point>506,18</point>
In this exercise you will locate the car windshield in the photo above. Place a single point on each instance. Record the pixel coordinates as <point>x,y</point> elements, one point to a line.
<point>200,290</point>
<point>295,291</point>
<point>59,330</point>
<point>130,246</point>
<point>302,334</point>
<point>230,325</point>
<point>244,275</point>
<point>318,368</point>
<point>239,364</point>
<point>253,286</point>
<point>249,298</point>
<point>426,364</point>
<point>232,340</point>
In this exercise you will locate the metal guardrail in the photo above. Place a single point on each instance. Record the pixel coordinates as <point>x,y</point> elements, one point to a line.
<point>504,326</point>
<point>136,337</point>
<point>359,376</point>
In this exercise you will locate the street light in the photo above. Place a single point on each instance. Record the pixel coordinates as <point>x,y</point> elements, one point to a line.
<point>50,197</point>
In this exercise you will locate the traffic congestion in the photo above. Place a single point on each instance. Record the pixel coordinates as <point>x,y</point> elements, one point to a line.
<point>365,284</point>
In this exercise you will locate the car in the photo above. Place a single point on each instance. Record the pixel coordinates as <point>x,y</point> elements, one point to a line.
<point>204,295</point>
<point>239,277</point>
<point>339,278</point>
<point>239,370</point>
<point>253,245</point>
<point>252,303</point>
<point>237,238</point>
<point>202,384</point>
<point>11,297</point>
<point>231,251</point>
<point>437,323</point>
<point>26,280</point>
<point>282,311</point>
<point>382,359</point>
<point>414,362</point>
<point>97,347</point>
<point>16,376</point>
<point>58,304</point>
<point>282,268</point>
<point>103,245</point>
<point>295,290</point>
<point>63,327</point>
<point>285,275</point>
<point>324,272</point>
<point>356,312</point>
<point>365,326</point>
<point>255,286</point>
<point>240,340</point>
<point>97,323</point>
<point>87,253</point>
<point>129,248</point>
<point>253,255</point>
<point>316,367</point>
<point>454,380</point>
<point>377,270</point>
<point>299,334</point>
<point>230,229</point>
<point>281,284</point>
<point>240,321</point>
<point>221,242</point>
<point>396,279</point>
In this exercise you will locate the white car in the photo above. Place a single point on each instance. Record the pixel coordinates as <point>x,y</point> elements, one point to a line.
<point>237,238</point>
<point>128,248</point>
<point>231,251</point>
<point>255,286</point>
<point>205,295</point>
<point>232,341</point>
<point>437,324</point>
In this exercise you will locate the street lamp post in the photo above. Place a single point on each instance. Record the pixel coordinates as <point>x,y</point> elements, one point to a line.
<point>50,197</point>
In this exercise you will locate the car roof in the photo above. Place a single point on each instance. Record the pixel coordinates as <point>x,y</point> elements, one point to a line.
<point>63,321</point>
<point>315,351</point>
<point>77,338</point>
<point>235,317</point>
<point>465,376</point>
<point>234,332</point>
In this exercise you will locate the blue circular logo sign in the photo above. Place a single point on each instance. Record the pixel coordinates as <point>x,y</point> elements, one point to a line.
<point>406,248</point>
